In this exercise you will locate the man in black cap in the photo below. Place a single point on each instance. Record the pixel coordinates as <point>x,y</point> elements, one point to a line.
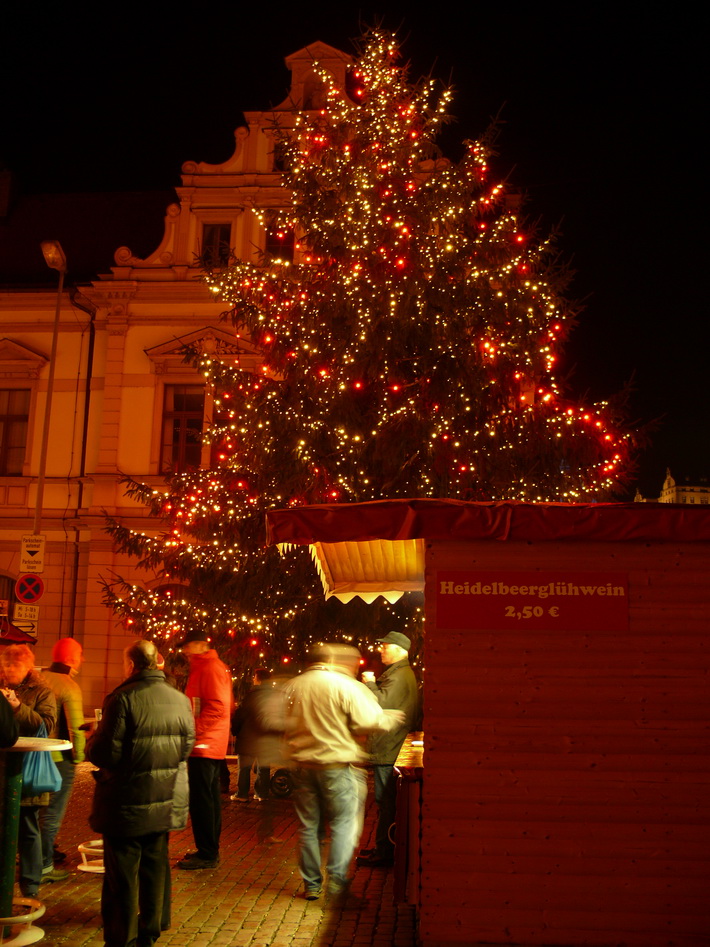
<point>209,689</point>
<point>395,689</point>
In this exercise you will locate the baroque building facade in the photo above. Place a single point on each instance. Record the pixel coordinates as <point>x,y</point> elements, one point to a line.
<point>124,402</point>
<point>691,490</point>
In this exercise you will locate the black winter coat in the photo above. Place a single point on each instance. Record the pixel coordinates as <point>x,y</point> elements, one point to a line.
<point>8,724</point>
<point>258,725</point>
<point>396,689</point>
<point>140,746</point>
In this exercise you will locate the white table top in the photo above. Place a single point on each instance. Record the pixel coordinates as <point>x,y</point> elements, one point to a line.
<point>37,743</point>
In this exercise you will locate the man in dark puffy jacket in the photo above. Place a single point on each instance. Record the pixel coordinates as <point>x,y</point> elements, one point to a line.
<point>140,746</point>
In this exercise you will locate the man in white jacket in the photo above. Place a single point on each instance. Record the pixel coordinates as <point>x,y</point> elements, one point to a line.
<point>327,711</point>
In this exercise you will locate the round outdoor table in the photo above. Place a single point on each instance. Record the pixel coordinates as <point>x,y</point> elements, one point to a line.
<point>10,793</point>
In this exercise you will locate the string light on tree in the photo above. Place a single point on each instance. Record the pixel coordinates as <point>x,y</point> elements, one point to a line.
<point>408,350</point>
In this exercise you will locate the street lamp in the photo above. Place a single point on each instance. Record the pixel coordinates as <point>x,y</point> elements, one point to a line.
<point>56,260</point>
<point>54,255</point>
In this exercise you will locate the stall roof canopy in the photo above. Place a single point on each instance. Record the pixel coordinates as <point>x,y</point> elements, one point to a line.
<point>377,548</point>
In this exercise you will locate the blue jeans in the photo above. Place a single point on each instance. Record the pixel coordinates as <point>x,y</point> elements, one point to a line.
<point>50,817</point>
<point>338,795</point>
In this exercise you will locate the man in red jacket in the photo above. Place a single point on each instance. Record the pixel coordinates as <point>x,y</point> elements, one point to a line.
<point>209,688</point>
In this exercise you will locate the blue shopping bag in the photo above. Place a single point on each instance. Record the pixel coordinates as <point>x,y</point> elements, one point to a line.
<point>39,771</point>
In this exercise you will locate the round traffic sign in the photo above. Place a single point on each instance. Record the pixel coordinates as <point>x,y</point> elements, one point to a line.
<point>29,588</point>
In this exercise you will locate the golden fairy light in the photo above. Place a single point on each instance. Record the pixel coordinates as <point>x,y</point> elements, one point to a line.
<point>407,349</point>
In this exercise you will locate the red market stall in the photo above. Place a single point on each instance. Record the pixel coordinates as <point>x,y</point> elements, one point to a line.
<point>566,709</point>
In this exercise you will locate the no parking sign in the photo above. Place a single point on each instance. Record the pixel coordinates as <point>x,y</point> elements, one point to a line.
<point>29,589</point>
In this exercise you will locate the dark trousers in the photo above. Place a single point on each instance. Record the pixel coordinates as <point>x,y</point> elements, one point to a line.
<point>386,799</point>
<point>261,784</point>
<point>205,805</point>
<point>135,898</point>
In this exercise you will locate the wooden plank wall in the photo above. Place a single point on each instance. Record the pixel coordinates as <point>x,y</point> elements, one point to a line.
<point>566,781</point>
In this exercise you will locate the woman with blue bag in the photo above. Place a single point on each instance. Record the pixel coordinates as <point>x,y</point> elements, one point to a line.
<point>34,707</point>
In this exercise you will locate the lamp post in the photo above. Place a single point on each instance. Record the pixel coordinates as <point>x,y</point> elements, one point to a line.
<point>56,260</point>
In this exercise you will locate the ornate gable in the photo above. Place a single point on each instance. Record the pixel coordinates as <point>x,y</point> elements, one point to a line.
<point>305,85</point>
<point>18,361</point>
<point>221,344</point>
<point>214,199</point>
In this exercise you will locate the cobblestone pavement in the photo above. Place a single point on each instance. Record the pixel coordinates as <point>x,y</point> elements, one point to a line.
<point>253,899</point>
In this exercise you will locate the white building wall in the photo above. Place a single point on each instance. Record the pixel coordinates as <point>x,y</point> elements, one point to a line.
<point>141,310</point>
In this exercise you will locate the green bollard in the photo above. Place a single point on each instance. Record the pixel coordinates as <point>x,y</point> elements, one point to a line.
<point>10,792</point>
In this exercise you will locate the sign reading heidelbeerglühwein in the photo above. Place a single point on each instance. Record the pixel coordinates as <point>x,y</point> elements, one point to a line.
<point>32,554</point>
<point>574,601</point>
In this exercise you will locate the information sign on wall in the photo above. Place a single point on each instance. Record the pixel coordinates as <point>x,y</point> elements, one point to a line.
<point>575,601</point>
<point>26,618</point>
<point>25,612</point>
<point>32,553</point>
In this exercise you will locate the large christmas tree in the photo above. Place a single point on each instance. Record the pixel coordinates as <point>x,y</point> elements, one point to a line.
<point>407,352</point>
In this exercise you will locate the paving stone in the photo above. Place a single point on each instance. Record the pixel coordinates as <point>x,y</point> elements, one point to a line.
<point>254,898</point>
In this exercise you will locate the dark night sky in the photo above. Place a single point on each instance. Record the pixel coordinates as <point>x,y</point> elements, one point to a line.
<point>601,129</point>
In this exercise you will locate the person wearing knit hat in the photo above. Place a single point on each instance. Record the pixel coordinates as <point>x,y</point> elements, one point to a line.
<point>68,651</point>
<point>67,657</point>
